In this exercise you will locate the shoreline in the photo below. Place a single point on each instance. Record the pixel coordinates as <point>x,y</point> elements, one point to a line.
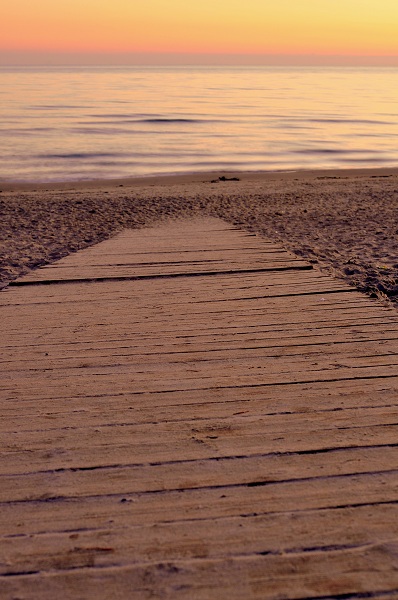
<point>344,221</point>
<point>196,177</point>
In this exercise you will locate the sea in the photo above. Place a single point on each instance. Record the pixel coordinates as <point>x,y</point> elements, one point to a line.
<point>83,123</point>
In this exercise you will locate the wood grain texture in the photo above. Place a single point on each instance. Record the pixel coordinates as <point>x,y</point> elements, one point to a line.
<point>190,412</point>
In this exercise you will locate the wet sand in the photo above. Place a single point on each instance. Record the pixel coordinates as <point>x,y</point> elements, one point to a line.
<point>344,221</point>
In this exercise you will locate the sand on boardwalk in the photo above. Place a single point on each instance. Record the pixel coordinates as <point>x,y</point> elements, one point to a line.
<point>345,221</point>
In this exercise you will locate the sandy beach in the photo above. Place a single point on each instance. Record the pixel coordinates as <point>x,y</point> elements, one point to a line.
<point>345,221</point>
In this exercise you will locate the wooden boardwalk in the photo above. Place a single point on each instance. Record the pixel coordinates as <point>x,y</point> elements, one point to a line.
<point>190,412</point>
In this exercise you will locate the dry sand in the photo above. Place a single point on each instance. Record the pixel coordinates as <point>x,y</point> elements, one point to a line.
<point>345,221</point>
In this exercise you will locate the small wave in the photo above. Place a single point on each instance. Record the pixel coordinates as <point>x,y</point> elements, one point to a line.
<point>56,107</point>
<point>25,130</point>
<point>141,122</point>
<point>98,131</point>
<point>161,120</point>
<point>135,116</point>
<point>331,151</point>
<point>352,121</point>
<point>369,159</point>
<point>177,120</point>
<point>369,134</point>
<point>82,155</point>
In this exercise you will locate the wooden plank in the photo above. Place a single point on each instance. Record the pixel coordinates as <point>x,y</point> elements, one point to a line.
<point>168,259</point>
<point>98,446</point>
<point>145,355</point>
<point>215,346</point>
<point>176,377</point>
<point>62,514</point>
<point>194,474</point>
<point>318,531</point>
<point>140,410</point>
<point>39,412</point>
<point>202,288</point>
<point>368,572</point>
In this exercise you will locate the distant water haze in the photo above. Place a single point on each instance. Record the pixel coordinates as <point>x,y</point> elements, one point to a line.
<point>60,123</point>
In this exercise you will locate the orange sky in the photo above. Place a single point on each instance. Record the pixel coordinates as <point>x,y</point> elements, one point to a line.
<point>239,27</point>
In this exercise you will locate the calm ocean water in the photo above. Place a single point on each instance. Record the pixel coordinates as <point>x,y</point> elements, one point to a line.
<point>85,123</point>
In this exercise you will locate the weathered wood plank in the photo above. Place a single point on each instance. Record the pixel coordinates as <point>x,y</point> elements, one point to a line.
<point>93,447</point>
<point>43,413</point>
<point>145,355</point>
<point>194,474</point>
<point>176,377</point>
<point>323,576</point>
<point>58,514</point>
<point>201,288</point>
<point>219,538</point>
<point>146,263</point>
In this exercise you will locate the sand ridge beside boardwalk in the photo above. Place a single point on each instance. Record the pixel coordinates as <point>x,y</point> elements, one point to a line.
<point>345,221</point>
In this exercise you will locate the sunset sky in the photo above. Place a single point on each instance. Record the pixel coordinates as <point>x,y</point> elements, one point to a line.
<point>182,30</point>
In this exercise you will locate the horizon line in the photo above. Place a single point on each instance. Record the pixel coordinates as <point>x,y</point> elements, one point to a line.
<point>14,58</point>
